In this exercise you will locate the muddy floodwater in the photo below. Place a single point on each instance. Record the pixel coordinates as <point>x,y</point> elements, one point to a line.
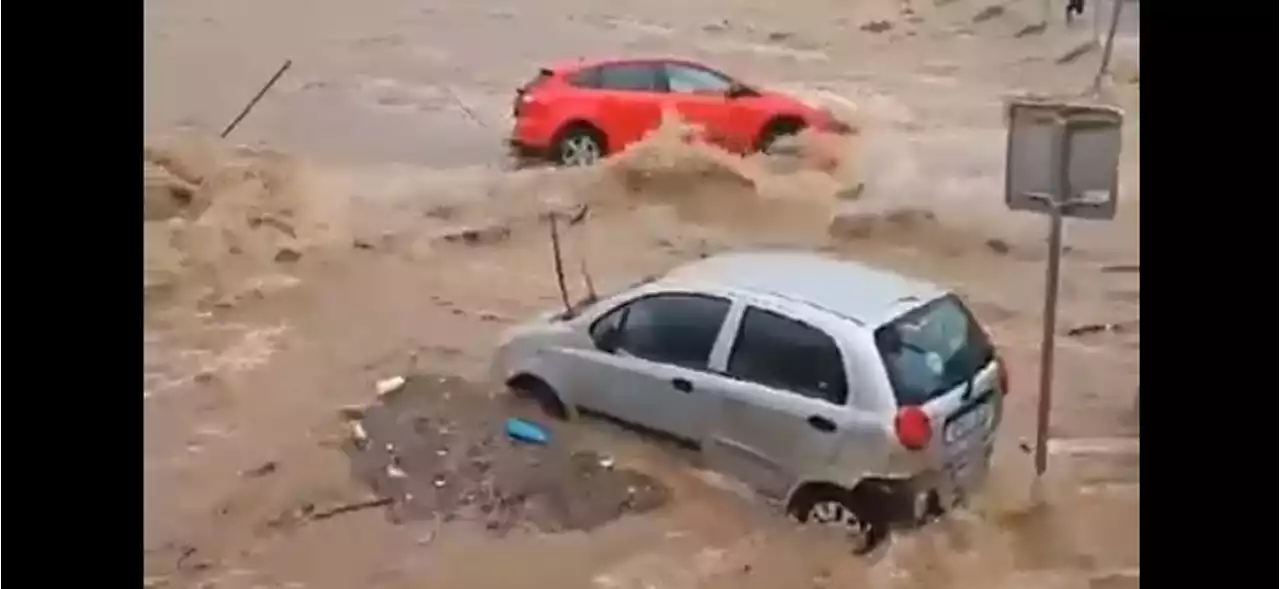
<point>362,224</point>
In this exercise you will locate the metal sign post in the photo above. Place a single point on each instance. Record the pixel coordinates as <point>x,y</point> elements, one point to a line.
<point>1062,160</point>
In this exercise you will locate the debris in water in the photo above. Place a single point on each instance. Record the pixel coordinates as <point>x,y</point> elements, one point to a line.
<point>394,472</point>
<point>390,385</point>
<point>988,13</point>
<point>716,27</point>
<point>478,235</point>
<point>606,462</point>
<point>1077,52</point>
<point>491,316</point>
<point>1029,30</point>
<point>358,434</point>
<point>288,255</point>
<point>1092,328</point>
<point>352,412</point>
<point>877,26</point>
<point>526,431</point>
<point>266,468</point>
<point>350,507</point>
<point>998,246</point>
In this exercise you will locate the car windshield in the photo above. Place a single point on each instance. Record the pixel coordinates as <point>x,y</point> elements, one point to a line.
<point>932,349</point>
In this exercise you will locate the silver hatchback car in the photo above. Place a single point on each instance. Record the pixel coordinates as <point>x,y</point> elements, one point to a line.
<point>856,397</point>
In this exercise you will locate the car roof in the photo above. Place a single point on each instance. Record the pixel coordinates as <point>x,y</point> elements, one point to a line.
<point>571,65</point>
<point>855,291</point>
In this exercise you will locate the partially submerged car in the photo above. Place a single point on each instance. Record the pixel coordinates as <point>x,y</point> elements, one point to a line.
<point>857,397</point>
<point>576,113</point>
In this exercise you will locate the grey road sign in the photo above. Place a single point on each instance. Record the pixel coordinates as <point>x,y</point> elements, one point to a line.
<point>1066,153</point>
<point>1062,161</point>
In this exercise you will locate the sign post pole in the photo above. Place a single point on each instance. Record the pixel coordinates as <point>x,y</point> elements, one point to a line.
<point>1047,343</point>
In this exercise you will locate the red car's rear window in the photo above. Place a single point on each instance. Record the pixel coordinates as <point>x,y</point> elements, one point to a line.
<point>541,77</point>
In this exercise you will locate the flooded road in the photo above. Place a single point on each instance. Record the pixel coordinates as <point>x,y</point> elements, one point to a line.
<point>385,143</point>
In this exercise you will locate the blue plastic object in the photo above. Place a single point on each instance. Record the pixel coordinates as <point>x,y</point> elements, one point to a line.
<point>526,431</point>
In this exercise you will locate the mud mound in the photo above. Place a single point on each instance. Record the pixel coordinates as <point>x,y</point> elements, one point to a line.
<point>219,221</point>
<point>436,448</point>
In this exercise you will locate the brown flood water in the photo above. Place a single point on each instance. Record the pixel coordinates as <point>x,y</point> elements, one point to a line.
<point>280,286</point>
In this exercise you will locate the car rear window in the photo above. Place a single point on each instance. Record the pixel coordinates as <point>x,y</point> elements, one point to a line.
<point>541,77</point>
<point>588,78</point>
<point>931,349</point>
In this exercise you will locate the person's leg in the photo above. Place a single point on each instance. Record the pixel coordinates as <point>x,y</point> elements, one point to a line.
<point>1074,7</point>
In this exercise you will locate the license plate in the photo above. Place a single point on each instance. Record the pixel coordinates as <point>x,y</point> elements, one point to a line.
<point>961,427</point>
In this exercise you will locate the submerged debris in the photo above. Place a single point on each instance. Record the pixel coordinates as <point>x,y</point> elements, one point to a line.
<point>522,430</point>
<point>450,458</point>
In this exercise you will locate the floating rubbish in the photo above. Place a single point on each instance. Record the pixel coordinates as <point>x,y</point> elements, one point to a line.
<point>266,468</point>
<point>352,412</point>
<point>606,463</point>
<point>390,385</point>
<point>526,431</point>
<point>1092,328</point>
<point>394,472</point>
<point>358,434</point>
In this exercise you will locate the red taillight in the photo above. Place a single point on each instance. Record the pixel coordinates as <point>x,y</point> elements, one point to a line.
<point>523,99</point>
<point>1002,375</point>
<point>913,428</point>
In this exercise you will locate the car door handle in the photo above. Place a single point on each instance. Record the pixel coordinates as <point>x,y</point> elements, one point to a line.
<point>821,423</point>
<point>682,385</point>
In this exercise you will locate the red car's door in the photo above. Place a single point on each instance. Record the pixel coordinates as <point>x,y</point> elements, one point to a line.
<point>701,97</point>
<point>629,102</point>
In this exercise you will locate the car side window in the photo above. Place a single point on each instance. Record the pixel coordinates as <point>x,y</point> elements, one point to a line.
<point>686,79</point>
<point>588,78</point>
<point>606,323</point>
<point>790,355</point>
<point>633,77</point>
<point>677,329</point>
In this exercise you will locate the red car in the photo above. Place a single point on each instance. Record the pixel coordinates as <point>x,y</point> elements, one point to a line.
<point>575,114</point>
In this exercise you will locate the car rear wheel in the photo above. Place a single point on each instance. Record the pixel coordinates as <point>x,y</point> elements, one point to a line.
<point>579,146</point>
